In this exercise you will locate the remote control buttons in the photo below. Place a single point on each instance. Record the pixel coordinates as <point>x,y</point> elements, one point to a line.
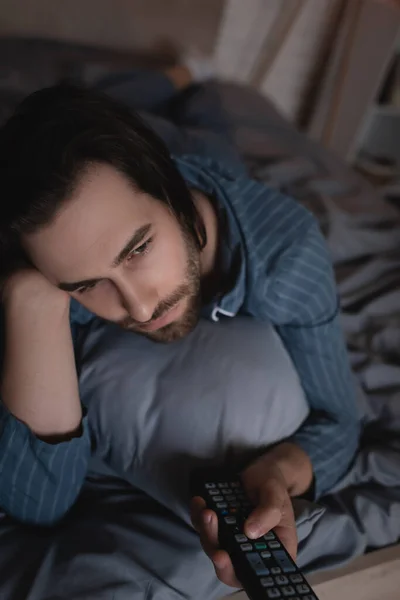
<point>213,492</point>
<point>246,547</point>
<point>260,546</point>
<point>302,588</point>
<point>256,563</point>
<point>281,580</point>
<point>288,591</point>
<point>240,537</point>
<point>267,581</point>
<point>223,485</point>
<point>276,570</point>
<point>297,578</point>
<point>309,597</point>
<point>230,498</point>
<point>269,536</point>
<point>210,486</point>
<point>273,593</point>
<point>230,520</point>
<point>222,505</point>
<point>283,560</point>
<point>273,545</point>
<point>235,484</point>
<point>218,498</point>
<point>267,554</point>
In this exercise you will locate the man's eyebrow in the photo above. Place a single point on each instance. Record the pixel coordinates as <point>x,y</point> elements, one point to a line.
<point>134,241</point>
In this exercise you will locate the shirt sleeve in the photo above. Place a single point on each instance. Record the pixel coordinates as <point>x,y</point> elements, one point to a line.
<point>39,482</point>
<point>303,305</point>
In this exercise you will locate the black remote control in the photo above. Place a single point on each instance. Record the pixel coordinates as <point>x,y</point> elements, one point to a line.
<point>263,566</point>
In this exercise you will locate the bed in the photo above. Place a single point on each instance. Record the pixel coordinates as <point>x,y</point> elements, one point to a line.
<point>362,512</point>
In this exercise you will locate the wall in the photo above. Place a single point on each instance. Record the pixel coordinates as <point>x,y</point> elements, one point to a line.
<point>123,24</point>
<point>253,41</point>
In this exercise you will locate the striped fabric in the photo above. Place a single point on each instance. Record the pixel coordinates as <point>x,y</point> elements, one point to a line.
<point>279,270</point>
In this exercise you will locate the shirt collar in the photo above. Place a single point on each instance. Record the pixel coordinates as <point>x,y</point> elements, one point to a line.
<point>212,178</point>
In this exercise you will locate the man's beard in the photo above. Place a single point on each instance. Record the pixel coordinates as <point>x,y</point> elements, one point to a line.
<point>188,291</point>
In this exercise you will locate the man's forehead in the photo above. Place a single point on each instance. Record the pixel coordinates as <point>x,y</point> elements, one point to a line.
<point>93,226</point>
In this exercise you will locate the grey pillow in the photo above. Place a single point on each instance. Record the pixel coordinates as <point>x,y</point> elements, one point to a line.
<point>157,411</point>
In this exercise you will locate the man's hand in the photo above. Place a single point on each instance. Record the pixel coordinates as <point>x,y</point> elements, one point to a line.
<point>269,482</point>
<point>39,383</point>
<point>29,285</point>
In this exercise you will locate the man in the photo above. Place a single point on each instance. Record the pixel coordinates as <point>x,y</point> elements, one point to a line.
<point>96,210</point>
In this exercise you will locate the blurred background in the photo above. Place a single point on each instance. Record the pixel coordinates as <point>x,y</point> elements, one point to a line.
<point>329,65</point>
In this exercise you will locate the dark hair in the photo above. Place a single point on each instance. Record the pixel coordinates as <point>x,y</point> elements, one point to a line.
<point>51,139</point>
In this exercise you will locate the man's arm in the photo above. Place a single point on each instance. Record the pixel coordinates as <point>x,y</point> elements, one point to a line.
<point>303,304</point>
<point>44,445</point>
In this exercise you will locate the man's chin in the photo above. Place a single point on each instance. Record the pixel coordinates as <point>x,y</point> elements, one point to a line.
<point>170,333</point>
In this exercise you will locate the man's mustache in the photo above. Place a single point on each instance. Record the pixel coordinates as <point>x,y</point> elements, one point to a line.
<point>163,307</point>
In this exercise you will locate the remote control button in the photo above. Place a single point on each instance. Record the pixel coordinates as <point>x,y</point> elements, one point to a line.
<point>233,510</point>
<point>246,547</point>
<point>227,491</point>
<point>267,581</point>
<point>218,498</point>
<point>266,554</point>
<point>302,588</point>
<point>230,520</point>
<point>257,564</point>
<point>240,537</point>
<point>222,505</point>
<point>276,570</point>
<point>223,485</point>
<point>235,484</point>
<point>209,486</point>
<point>260,546</point>
<point>284,561</point>
<point>230,498</point>
<point>273,593</point>
<point>273,545</point>
<point>213,492</point>
<point>309,597</point>
<point>281,580</point>
<point>288,591</point>
<point>297,578</point>
<point>235,504</point>
<point>269,536</point>
<point>224,512</point>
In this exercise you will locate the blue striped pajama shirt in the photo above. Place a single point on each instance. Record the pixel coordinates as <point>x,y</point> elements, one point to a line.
<point>280,271</point>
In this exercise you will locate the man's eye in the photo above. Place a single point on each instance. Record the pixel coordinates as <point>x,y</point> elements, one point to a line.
<point>85,288</point>
<point>142,249</point>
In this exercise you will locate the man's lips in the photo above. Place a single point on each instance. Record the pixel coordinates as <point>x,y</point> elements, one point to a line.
<point>162,321</point>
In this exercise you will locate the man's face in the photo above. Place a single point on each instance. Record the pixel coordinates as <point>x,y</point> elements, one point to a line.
<point>123,255</point>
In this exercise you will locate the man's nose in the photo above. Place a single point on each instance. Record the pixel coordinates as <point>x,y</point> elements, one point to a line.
<point>139,303</point>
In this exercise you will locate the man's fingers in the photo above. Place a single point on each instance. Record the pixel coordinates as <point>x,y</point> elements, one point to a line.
<point>268,514</point>
<point>224,569</point>
<point>209,532</point>
<point>197,506</point>
<point>205,522</point>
